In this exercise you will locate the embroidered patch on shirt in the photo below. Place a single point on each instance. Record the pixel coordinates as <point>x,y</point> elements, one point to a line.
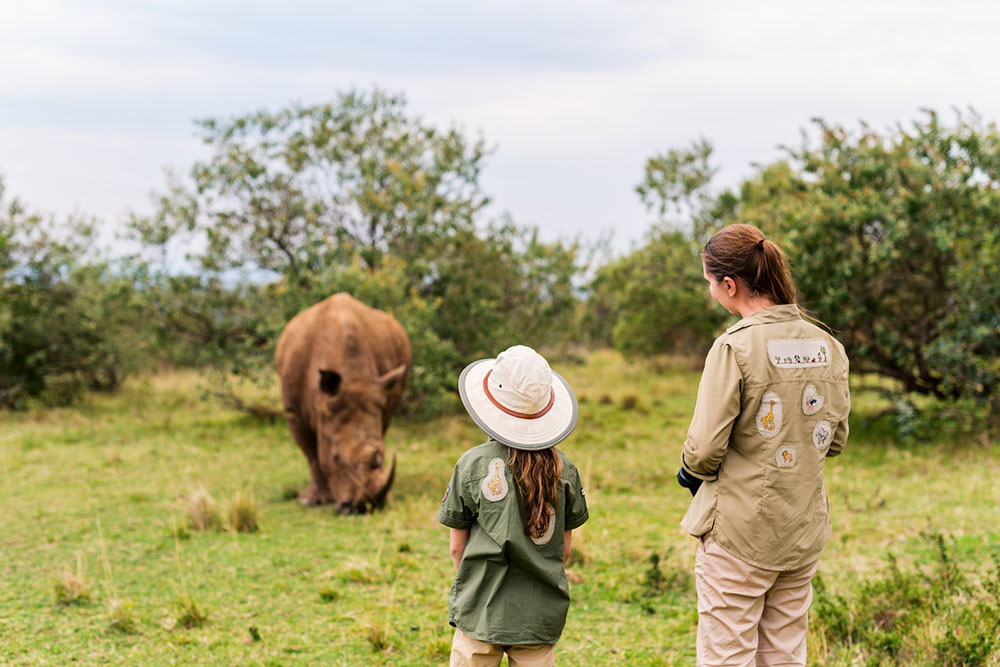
<point>769,415</point>
<point>785,456</point>
<point>822,433</point>
<point>494,485</point>
<point>547,535</point>
<point>812,402</point>
<point>446,492</point>
<point>798,353</point>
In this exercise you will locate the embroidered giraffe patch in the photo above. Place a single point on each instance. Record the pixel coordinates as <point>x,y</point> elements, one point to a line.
<point>549,531</point>
<point>798,353</point>
<point>785,456</point>
<point>822,434</point>
<point>769,416</point>
<point>494,485</point>
<point>812,401</point>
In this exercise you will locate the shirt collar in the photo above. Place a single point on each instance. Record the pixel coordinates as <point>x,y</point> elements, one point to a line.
<point>783,313</point>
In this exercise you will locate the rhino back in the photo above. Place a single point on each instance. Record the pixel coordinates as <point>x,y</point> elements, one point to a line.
<point>339,333</point>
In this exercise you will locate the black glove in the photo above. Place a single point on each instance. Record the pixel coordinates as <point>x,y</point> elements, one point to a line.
<point>688,481</point>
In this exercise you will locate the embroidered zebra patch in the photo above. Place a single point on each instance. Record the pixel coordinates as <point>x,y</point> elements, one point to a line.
<point>769,416</point>
<point>494,485</point>
<point>822,434</point>
<point>798,353</point>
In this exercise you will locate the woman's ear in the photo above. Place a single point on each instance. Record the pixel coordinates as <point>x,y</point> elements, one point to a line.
<point>730,285</point>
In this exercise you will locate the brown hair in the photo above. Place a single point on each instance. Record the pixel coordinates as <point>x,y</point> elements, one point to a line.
<point>537,475</point>
<point>743,252</point>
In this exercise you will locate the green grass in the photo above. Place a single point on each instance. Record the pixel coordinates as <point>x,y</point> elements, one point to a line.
<point>310,586</point>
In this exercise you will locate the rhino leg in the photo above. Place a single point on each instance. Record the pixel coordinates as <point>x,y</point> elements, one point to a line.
<point>317,493</point>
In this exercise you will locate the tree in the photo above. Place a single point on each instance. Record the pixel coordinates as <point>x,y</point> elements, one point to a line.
<point>297,189</point>
<point>654,299</point>
<point>358,196</point>
<point>68,321</point>
<point>895,244</point>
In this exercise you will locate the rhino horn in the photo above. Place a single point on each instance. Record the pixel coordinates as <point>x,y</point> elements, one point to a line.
<point>383,483</point>
<point>392,375</point>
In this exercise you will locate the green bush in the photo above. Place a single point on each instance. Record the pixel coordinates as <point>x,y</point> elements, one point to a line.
<point>893,617</point>
<point>69,322</point>
<point>654,300</point>
<point>894,243</point>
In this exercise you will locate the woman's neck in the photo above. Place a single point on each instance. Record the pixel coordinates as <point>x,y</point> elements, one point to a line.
<point>748,307</point>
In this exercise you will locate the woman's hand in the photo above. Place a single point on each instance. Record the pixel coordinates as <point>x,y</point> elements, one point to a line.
<point>689,482</point>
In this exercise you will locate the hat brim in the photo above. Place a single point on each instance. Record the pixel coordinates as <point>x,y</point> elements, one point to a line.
<point>517,432</point>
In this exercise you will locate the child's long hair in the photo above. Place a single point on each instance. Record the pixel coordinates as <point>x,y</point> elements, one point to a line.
<point>537,475</point>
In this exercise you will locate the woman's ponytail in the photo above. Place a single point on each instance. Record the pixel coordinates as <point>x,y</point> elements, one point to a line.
<point>743,252</point>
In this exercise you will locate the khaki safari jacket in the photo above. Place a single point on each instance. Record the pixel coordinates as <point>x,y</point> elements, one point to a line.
<point>772,406</point>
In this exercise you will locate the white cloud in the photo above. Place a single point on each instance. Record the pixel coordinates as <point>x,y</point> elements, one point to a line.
<point>575,95</point>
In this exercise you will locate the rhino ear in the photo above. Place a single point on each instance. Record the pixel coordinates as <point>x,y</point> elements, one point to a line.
<point>329,382</point>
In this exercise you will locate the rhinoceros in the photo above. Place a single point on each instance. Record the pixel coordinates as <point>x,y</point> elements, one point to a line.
<point>343,368</point>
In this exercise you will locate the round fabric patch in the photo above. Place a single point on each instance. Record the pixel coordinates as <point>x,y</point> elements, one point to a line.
<point>446,492</point>
<point>547,535</point>
<point>785,456</point>
<point>812,402</point>
<point>769,415</point>
<point>494,485</point>
<point>822,433</point>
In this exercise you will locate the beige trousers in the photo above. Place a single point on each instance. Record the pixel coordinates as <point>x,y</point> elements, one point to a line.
<point>469,652</point>
<point>748,616</point>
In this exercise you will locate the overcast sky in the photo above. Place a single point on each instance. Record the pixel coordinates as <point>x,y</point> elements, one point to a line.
<point>97,98</point>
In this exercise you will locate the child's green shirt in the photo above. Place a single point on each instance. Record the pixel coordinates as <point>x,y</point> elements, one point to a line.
<point>510,588</point>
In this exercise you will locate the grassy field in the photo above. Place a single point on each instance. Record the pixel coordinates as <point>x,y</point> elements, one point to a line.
<point>102,490</point>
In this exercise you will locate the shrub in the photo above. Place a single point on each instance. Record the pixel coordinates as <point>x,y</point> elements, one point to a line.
<point>892,617</point>
<point>69,322</point>
<point>894,242</point>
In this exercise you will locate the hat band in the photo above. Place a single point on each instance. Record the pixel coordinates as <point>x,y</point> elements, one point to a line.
<point>519,415</point>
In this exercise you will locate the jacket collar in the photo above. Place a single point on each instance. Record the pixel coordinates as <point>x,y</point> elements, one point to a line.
<point>783,313</point>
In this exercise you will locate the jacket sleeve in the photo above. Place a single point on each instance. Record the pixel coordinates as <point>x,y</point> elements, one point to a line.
<point>715,412</point>
<point>842,430</point>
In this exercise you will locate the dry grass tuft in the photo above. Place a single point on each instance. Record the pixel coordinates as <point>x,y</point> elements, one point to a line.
<point>379,635</point>
<point>631,402</point>
<point>329,594</point>
<point>189,614</point>
<point>73,587</point>
<point>202,511</point>
<point>243,513</point>
<point>121,616</point>
<point>437,650</point>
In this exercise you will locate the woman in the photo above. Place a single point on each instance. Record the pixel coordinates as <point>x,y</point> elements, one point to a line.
<point>772,406</point>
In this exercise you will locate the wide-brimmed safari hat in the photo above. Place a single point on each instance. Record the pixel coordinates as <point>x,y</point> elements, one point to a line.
<point>518,400</point>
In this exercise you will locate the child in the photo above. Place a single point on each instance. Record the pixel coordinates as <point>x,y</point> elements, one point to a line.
<point>511,505</point>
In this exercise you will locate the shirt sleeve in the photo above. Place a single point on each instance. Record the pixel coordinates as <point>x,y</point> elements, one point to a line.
<point>576,502</point>
<point>842,430</point>
<point>458,510</point>
<point>715,412</point>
